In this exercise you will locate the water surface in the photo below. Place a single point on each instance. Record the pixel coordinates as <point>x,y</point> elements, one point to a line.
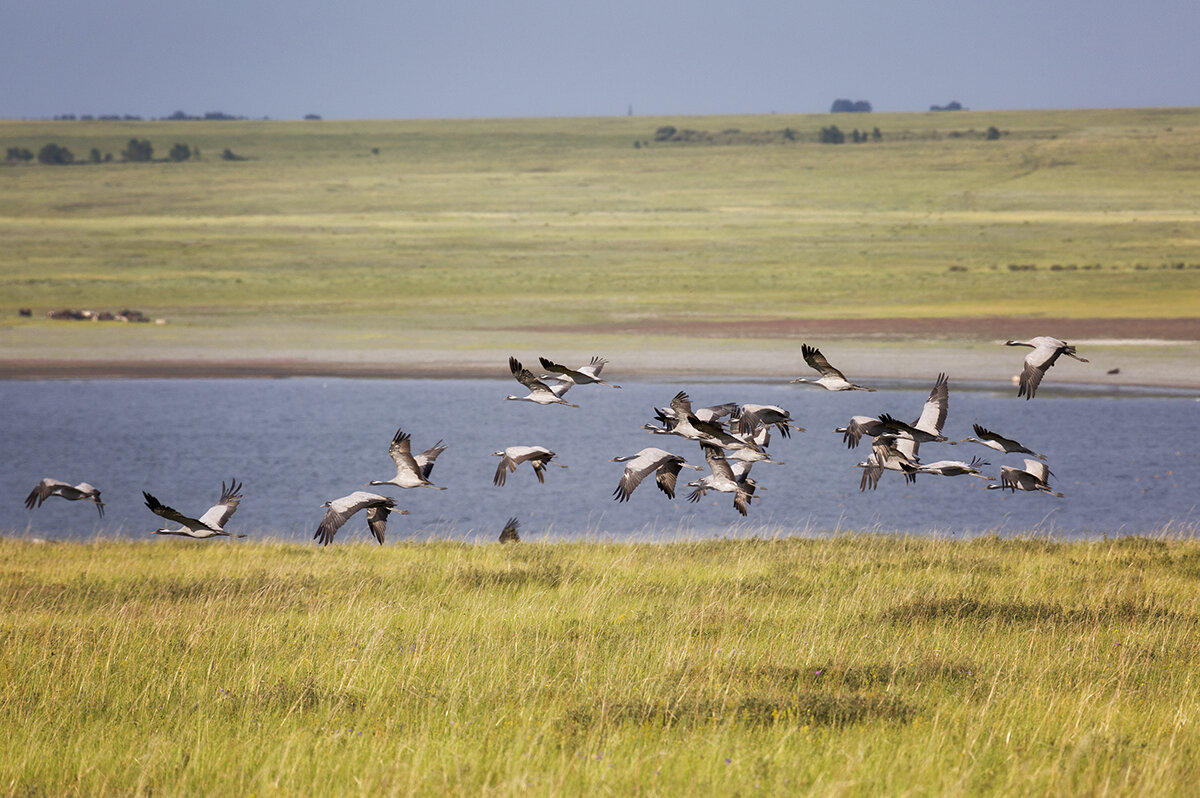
<point>1126,460</point>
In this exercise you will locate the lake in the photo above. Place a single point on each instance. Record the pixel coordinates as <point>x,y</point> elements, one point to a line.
<point>1126,459</point>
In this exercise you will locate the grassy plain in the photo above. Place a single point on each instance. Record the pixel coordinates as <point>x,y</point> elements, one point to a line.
<point>455,234</point>
<point>853,665</point>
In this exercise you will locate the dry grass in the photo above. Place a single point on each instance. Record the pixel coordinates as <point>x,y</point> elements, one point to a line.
<point>848,666</point>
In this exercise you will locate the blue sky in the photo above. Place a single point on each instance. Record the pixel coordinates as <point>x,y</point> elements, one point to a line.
<point>448,58</point>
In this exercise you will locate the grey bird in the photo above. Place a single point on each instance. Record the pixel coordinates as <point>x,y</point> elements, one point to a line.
<point>509,534</point>
<point>53,487</point>
<point>1033,477</point>
<point>888,453</point>
<point>209,525</point>
<point>751,417</point>
<point>513,456</point>
<point>955,468</point>
<point>338,512</point>
<point>857,427</point>
<point>651,460</point>
<point>928,427</point>
<point>725,478</point>
<point>542,393</point>
<point>831,379</point>
<point>994,440</point>
<point>584,375</point>
<point>1046,351</point>
<point>411,472</point>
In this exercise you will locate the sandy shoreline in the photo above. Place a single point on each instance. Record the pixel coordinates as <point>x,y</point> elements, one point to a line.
<point>1115,363</point>
<point>1123,352</point>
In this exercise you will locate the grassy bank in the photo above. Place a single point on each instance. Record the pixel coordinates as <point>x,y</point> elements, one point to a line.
<point>367,234</point>
<point>851,666</point>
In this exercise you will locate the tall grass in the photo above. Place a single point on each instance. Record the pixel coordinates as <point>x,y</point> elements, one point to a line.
<point>848,666</point>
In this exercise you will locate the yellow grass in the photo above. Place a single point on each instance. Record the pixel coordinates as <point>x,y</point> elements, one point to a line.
<point>855,665</point>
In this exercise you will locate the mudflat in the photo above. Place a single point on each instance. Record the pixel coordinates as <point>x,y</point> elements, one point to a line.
<point>1122,352</point>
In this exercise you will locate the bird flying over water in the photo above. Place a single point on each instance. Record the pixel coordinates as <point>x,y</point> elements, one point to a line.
<point>1034,476</point>
<point>955,468</point>
<point>857,427</point>
<point>831,379</point>
<point>52,487</point>
<point>725,478</point>
<point>510,458</point>
<point>664,465</point>
<point>1046,351</point>
<point>339,511</point>
<point>584,375</point>
<point>928,427</point>
<point>994,440</point>
<point>209,525</point>
<point>540,392</point>
<point>411,472</point>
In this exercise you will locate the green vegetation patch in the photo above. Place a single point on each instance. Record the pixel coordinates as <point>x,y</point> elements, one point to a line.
<point>595,223</point>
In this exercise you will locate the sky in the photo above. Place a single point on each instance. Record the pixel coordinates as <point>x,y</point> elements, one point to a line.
<point>399,59</point>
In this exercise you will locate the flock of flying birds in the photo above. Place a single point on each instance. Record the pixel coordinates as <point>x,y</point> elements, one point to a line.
<point>732,438</point>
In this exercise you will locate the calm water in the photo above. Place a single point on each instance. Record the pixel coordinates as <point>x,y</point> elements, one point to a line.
<point>1127,461</point>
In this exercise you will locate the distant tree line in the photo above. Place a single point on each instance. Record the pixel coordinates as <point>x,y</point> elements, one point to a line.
<point>953,105</point>
<point>669,134</point>
<point>834,135</point>
<point>177,116</point>
<point>850,106</point>
<point>135,151</point>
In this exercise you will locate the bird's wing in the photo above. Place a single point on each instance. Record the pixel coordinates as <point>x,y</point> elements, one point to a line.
<point>717,462</point>
<point>872,471</point>
<point>400,451</point>
<point>856,428</point>
<point>715,412</point>
<point>39,493</point>
<point>896,426</point>
<point>814,358</point>
<point>377,517</point>
<point>506,464</point>
<point>1039,470</point>
<point>539,467</point>
<point>510,533</point>
<point>335,516</point>
<point>559,386</point>
<point>426,459</point>
<point>667,475</point>
<point>594,368</point>
<point>1036,363</point>
<point>933,414</point>
<point>741,501</point>
<point>558,368</point>
<point>220,513</point>
<point>634,473</point>
<point>525,376</point>
<point>171,514</point>
<point>1010,477</point>
<point>681,403</point>
<point>43,490</point>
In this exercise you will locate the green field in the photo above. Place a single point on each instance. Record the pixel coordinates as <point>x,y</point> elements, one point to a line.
<point>393,233</point>
<point>853,665</point>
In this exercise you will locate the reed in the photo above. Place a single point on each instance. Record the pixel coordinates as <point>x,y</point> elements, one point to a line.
<point>851,665</point>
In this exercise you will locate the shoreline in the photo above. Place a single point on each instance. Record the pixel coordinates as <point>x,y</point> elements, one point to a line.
<point>1148,353</point>
<point>1173,366</point>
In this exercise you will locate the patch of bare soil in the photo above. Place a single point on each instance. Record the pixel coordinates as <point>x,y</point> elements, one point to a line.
<point>984,328</point>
